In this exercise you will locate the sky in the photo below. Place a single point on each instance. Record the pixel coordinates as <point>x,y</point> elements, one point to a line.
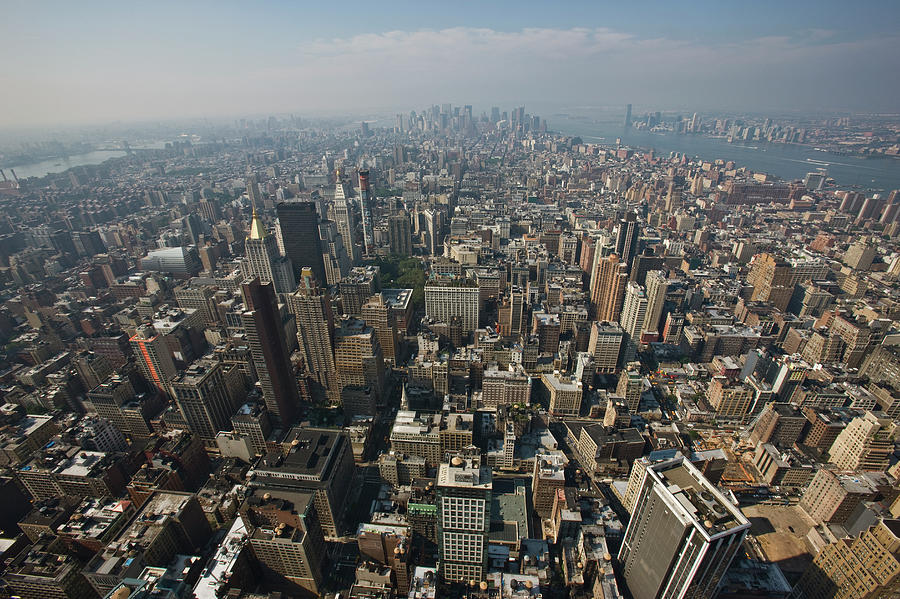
<point>97,62</point>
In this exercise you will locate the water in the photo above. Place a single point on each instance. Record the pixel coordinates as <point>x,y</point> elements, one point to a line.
<point>58,165</point>
<point>786,161</point>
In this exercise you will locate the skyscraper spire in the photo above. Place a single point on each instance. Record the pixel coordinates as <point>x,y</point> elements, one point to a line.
<point>257,229</point>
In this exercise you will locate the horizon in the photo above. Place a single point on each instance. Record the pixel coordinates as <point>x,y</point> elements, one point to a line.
<point>101,65</point>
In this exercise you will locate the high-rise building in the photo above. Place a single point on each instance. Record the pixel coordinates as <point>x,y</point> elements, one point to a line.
<point>345,218</point>
<point>862,567</point>
<point>318,461</point>
<point>443,302</point>
<point>265,333</point>
<point>605,344</point>
<point>378,315</point>
<point>627,116</point>
<point>334,253</point>
<point>358,357</point>
<point>463,518</point>
<point>630,386</point>
<point>682,536</point>
<point>315,329</point>
<point>365,209</point>
<point>549,476</point>
<point>511,312</point>
<point>263,260</point>
<point>299,223</point>
<point>634,313</point>
<point>153,357</point>
<point>505,388</point>
<point>865,444</point>
<point>657,286</point>
<point>627,234</point>
<point>608,290</point>
<point>400,234</point>
<point>434,231</point>
<point>201,393</point>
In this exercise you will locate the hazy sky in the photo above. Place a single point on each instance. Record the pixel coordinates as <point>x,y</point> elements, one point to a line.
<point>97,62</point>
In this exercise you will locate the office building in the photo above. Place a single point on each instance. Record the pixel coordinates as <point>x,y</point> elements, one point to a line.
<point>378,314</point>
<point>315,329</point>
<point>334,253</point>
<point>39,572</point>
<point>463,518</point>
<point>265,334</point>
<point>630,387</point>
<point>866,443</point>
<point>299,223</point>
<point>634,313</point>
<point>365,208</point>
<point>608,288</point>
<point>682,536</point>
<point>443,302</point>
<point>549,476</point>
<point>153,358</point>
<point>202,394</point>
<point>263,260</point>
<point>864,566</point>
<point>358,357</point>
<point>317,461</point>
<point>657,285</point>
<point>345,218</point>
<point>627,235</point>
<point>505,388</point>
<point>833,496</point>
<point>564,393</point>
<point>605,344</point>
<point>400,234</point>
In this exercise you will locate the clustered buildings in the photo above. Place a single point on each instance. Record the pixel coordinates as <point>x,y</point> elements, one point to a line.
<point>460,357</point>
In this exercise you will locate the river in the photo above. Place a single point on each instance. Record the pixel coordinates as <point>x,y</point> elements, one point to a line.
<point>58,165</point>
<point>786,161</point>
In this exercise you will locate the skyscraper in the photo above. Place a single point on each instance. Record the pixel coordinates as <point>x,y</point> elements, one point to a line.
<point>657,286</point>
<point>334,252</point>
<point>358,356</point>
<point>608,291</point>
<point>202,395</point>
<point>315,329</point>
<point>682,536</point>
<point>463,518</point>
<point>634,312</point>
<point>399,234</point>
<point>300,233</point>
<point>365,208</point>
<point>627,116</point>
<point>153,358</point>
<point>265,333</point>
<point>263,260</point>
<point>627,235</point>
<point>345,219</point>
<point>378,315</point>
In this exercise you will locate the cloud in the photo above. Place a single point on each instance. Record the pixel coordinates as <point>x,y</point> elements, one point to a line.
<point>401,70</point>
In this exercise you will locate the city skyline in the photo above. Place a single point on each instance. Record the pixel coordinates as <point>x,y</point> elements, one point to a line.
<point>91,65</point>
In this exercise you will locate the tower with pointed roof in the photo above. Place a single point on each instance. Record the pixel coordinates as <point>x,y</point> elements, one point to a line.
<point>263,259</point>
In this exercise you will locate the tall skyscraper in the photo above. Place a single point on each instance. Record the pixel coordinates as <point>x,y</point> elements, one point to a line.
<point>463,518</point>
<point>265,333</point>
<point>365,208</point>
<point>315,329</point>
<point>627,116</point>
<point>153,358</point>
<point>627,235</point>
<point>634,312</point>
<point>201,393</point>
<point>334,252</point>
<point>434,232</point>
<point>399,234</point>
<point>299,224</point>
<point>263,259</point>
<point>608,291</point>
<point>682,536</point>
<point>657,286</point>
<point>345,219</point>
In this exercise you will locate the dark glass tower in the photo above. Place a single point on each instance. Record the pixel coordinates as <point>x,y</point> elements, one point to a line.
<point>299,224</point>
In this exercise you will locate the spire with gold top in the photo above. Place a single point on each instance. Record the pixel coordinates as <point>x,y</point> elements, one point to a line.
<point>257,230</point>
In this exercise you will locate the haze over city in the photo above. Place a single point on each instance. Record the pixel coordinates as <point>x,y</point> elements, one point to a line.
<point>465,300</point>
<point>98,62</point>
